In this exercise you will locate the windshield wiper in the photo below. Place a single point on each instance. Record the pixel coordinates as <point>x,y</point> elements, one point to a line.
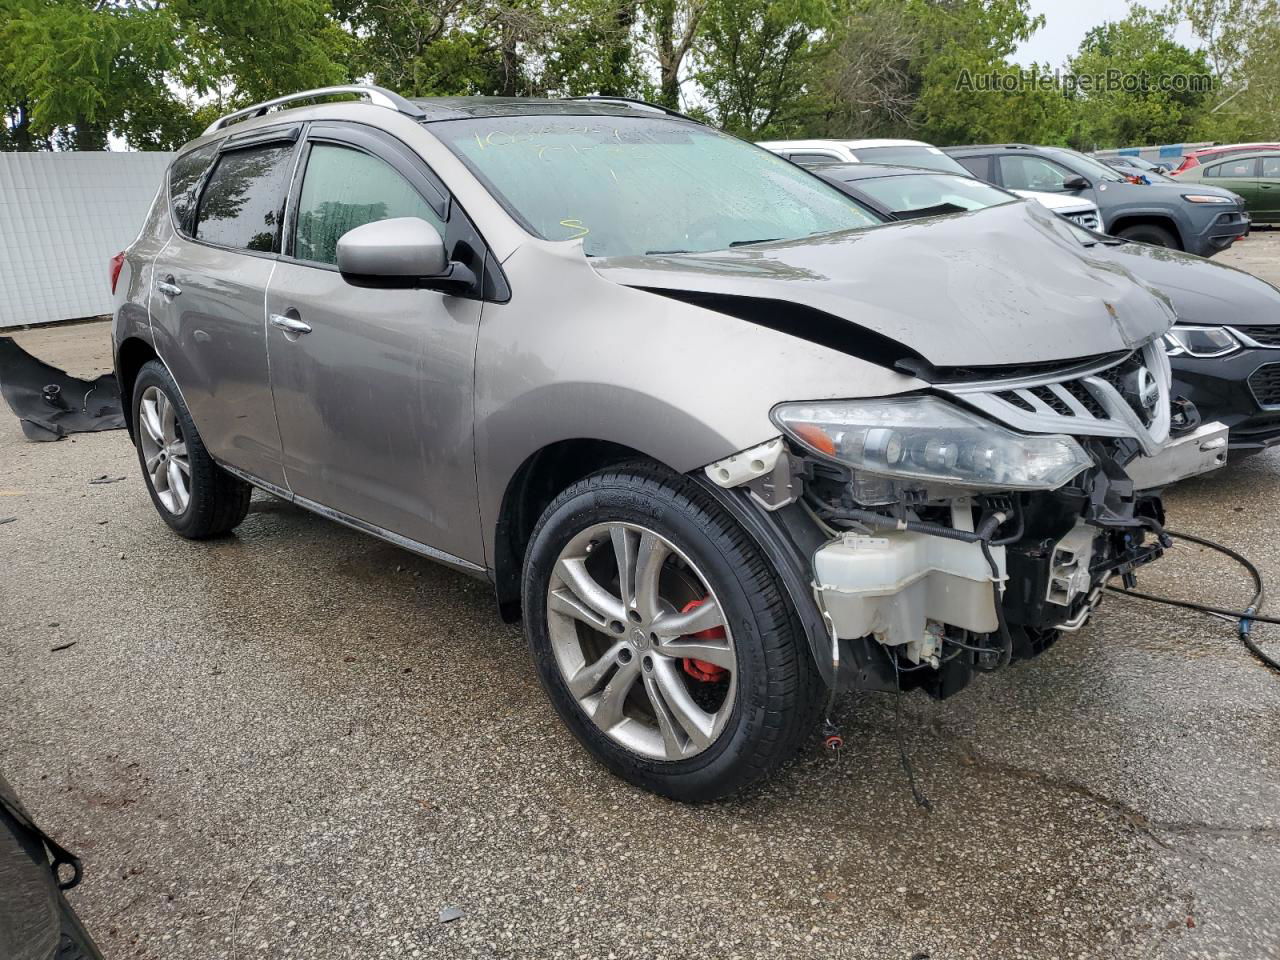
<point>658,253</point>
<point>747,243</point>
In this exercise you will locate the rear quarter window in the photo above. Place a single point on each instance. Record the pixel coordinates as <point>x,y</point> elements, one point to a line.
<point>980,167</point>
<point>243,201</point>
<point>185,174</point>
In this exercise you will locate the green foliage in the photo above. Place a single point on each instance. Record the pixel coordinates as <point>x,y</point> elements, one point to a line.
<point>757,62</point>
<point>1141,44</point>
<point>154,72</point>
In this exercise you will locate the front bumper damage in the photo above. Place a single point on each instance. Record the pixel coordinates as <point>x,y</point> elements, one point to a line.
<point>916,598</point>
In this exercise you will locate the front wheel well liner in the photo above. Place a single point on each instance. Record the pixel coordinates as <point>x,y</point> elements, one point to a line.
<point>538,481</point>
<point>1148,219</point>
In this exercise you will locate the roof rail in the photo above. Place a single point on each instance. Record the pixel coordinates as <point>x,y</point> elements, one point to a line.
<point>377,96</point>
<point>601,98</point>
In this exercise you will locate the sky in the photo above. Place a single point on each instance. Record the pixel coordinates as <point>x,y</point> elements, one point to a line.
<point>1066,23</point>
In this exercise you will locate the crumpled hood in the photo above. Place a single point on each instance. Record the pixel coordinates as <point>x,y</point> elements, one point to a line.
<point>1202,291</point>
<point>1008,284</point>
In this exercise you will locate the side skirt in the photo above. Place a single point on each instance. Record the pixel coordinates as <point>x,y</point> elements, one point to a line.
<point>355,523</point>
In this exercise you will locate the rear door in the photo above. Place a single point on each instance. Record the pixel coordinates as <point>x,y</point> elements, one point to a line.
<point>208,296</point>
<point>1268,208</point>
<point>1239,175</point>
<point>374,399</point>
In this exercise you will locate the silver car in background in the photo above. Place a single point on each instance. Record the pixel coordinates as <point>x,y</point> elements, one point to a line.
<point>726,444</point>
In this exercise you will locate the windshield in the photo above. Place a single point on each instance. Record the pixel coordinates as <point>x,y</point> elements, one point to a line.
<point>911,155</point>
<point>926,193</point>
<point>634,185</point>
<point>1087,166</point>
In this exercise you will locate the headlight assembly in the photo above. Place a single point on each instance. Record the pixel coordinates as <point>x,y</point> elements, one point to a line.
<point>928,439</point>
<point>1205,198</point>
<point>1201,342</point>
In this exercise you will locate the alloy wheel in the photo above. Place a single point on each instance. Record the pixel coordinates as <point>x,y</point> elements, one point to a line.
<point>164,450</point>
<point>641,641</point>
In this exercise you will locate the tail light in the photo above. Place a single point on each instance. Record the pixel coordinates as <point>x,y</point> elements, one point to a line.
<point>117,263</point>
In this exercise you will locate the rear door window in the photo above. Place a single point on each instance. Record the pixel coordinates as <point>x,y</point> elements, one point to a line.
<point>1271,167</point>
<point>243,201</point>
<point>345,188</point>
<point>1234,168</point>
<point>1033,173</point>
<point>184,181</point>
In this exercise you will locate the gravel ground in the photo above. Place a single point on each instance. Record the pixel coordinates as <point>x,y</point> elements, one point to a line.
<point>301,742</point>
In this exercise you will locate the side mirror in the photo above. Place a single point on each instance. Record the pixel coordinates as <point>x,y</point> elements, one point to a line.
<point>402,251</point>
<point>1076,183</point>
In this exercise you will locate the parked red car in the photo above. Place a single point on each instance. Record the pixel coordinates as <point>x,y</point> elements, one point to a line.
<point>1196,157</point>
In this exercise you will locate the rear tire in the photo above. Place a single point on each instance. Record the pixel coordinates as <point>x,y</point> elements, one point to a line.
<point>750,718</point>
<point>1152,234</point>
<point>193,495</point>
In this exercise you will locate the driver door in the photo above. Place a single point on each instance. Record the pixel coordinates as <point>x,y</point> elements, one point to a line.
<point>373,387</point>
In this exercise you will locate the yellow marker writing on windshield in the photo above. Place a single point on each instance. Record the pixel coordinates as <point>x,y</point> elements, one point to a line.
<point>574,224</point>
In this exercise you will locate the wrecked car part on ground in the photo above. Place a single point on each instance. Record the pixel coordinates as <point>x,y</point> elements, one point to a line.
<point>50,402</point>
<point>486,343</point>
<point>950,544</point>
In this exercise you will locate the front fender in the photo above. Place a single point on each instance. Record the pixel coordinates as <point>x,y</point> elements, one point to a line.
<point>574,355</point>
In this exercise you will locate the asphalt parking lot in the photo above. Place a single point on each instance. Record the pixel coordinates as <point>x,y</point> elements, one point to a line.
<point>299,741</point>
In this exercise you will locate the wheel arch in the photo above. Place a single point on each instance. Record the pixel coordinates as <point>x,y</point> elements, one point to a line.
<point>1152,219</point>
<point>132,353</point>
<point>535,483</point>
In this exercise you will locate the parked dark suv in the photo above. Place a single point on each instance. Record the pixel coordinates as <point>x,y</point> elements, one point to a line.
<point>1198,219</point>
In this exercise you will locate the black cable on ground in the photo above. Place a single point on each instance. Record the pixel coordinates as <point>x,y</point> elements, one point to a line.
<point>1245,618</point>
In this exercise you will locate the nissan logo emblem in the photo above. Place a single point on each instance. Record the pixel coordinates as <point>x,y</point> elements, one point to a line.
<point>1144,391</point>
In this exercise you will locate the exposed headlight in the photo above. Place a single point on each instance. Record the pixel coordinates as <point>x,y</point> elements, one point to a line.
<point>925,438</point>
<point>1200,341</point>
<point>1205,198</point>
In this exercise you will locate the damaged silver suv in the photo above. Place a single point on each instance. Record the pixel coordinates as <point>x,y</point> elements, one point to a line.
<point>728,445</point>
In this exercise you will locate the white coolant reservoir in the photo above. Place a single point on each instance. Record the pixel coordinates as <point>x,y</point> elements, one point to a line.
<point>890,585</point>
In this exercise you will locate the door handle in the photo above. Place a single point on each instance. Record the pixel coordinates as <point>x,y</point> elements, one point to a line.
<point>290,324</point>
<point>168,287</point>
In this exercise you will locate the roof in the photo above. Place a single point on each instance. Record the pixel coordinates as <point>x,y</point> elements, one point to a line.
<point>849,172</point>
<point>815,144</point>
<point>62,217</point>
<point>1233,146</point>
<point>970,148</point>
<point>459,108</point>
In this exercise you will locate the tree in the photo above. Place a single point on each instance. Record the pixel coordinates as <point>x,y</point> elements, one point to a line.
<point>1241,39</point>
<point>671,28</point>
<point>975,38</point>
<point>1140,46</point>
<point>756,62</point>
<point>511,48</point>
<point>73,72</point>
<point>866,67</point>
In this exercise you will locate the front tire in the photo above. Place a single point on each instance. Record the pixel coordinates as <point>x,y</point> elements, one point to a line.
<point>1153,234</point>
<point>661,635</point>
<point>193,495</point>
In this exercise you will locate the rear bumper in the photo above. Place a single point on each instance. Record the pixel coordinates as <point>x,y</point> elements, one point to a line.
<point>1222,390</point>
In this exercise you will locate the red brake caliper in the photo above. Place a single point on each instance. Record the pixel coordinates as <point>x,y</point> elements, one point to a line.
<point>700,669</point>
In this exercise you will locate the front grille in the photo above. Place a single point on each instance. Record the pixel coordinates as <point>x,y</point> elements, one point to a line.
<point>1089,401</point>
<point>1087,219</point>
<point>1265,384</point>
<point>1268,336</point>
<point>1119,377</point>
